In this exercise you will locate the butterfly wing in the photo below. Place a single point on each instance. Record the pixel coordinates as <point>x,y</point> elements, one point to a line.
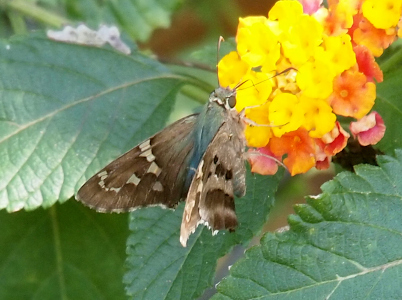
<point>152,173</point>
<point>219,176</point>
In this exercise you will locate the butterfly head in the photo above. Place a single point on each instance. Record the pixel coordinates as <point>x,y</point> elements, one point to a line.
<point>225,97</point>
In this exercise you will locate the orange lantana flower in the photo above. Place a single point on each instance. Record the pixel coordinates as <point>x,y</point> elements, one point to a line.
<point>299,148</point>
<point>373,38</point>
<point>353,96</point>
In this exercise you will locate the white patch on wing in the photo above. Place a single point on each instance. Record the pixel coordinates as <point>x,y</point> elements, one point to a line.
<point>205,223</point>
<point>200,186</point>
<point>102,175</point>
<point>118,210</point>
<point>148,155</point>
<point>145,145</point>
<point>157,187</point>
<point>134,179</point>
<point>154,168</point>
<point>199,173</point>
<point>116,190</point>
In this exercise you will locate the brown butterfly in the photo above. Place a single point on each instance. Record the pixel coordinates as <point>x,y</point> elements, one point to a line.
<point>199,158</point>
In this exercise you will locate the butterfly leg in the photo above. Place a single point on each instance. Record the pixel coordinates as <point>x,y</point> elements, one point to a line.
<point>253,153</point>
<point>248,121</point>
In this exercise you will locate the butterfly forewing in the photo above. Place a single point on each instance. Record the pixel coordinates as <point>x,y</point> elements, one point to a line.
<point>152,173</point>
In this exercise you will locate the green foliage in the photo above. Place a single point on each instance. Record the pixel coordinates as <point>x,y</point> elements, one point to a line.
<point>135,17</point>
<point>55,254</point>
<point>160,268</point>
<point>67,110</point>
<point>65,114</point>
<point>388,101</point>
<point>138,18</point>
<point>343,244</point>
<point>208,54</point>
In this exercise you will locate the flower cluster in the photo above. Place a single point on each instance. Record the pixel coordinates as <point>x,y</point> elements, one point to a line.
<point>302,67</point>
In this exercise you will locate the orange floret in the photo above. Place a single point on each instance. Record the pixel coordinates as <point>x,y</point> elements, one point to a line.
<point>373,38</point>
<point>329,145</point>
<point>353,96</point>
<point>367,64</point>
<point>299,148</point>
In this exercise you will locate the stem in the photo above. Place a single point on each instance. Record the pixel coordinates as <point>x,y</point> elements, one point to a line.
<point>58,252</point>
<point>17,22</point>
<point>177,62</point>
<point>40,14</point>
<point>195,94</point>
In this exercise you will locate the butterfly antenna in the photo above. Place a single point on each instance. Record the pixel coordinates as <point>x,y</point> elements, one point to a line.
<point>241,83</point>
<point>285,71</point>
<point>221,39</point>
<point>277,74</point>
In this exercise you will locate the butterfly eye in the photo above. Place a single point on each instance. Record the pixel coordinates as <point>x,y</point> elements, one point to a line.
<point>231,101</point>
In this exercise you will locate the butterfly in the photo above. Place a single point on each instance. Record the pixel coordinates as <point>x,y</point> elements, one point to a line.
<point>199,159</point>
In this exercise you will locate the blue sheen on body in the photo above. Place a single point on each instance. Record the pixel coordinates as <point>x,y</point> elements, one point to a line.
<point>208,123</point>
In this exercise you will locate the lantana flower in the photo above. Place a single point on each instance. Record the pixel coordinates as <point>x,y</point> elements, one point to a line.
<point>303,66</point>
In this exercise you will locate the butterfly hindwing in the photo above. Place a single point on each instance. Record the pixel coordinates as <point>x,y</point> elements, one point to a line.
<point>152,173</point>
<point>219,176</point>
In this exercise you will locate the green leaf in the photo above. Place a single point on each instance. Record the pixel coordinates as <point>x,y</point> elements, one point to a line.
<point>138,18</point>
<point>388,102</point>
<point>343,244</point>
<point>65,252</point>
<point>67,110</point>
<point>160,268</point>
